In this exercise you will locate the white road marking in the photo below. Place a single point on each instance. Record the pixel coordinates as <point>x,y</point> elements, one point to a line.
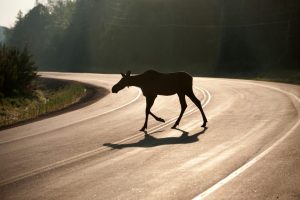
<point>133,100</point>
<point>75,122</point>
<point>156,128</point>
<point>255,159</point>
<point>95,151</point>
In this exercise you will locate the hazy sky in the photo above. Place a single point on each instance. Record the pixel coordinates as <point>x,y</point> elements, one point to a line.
<point>10,8</point>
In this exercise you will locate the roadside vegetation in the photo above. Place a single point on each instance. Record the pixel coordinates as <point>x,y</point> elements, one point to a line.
<point>24,95</point>
<point>17,71</point>
<point>49,95</point>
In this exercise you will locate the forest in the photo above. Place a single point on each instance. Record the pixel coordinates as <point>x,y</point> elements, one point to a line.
<point>237,38</point>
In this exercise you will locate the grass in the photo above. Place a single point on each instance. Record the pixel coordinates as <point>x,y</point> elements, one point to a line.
<point>50,95</point>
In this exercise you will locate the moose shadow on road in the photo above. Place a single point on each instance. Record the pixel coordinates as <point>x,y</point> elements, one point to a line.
<point>151,141</point>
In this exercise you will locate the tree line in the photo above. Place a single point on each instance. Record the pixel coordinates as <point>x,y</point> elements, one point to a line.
<point>209,37</point>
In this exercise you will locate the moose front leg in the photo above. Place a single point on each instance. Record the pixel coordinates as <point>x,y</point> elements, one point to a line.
<point>157,118</point>
<point>149,103</point>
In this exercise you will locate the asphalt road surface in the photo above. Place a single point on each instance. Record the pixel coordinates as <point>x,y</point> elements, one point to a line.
<point>250,149</point>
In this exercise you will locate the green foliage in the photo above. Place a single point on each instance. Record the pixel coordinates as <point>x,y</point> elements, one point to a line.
<point>30,31</point>
<point>17,70</point>
<point>42,30</point>
<point>50,95</point>
<point>207,37</point>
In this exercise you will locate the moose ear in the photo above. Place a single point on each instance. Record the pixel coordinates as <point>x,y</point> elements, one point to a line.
<point>123,75</point>
<point>128,73</point>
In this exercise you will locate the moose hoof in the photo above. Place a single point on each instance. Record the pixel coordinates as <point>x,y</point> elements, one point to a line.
<point>143,129</point>
<point>173,127</point>
<point>161,120</point>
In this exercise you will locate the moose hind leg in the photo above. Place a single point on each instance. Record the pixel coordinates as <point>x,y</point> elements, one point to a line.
<point>196,101</point>
<point>183,107</point>
<point>149,103</point>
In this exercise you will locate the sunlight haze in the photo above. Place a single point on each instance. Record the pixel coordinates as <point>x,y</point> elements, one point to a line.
<point>10,8</point>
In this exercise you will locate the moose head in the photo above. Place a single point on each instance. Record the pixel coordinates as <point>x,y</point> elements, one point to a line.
<point>122,83</point>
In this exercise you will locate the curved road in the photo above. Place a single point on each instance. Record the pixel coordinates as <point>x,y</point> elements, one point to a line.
<point>249,151</point>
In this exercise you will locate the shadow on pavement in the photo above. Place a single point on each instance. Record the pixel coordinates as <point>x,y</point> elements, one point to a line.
<point>151,141</point>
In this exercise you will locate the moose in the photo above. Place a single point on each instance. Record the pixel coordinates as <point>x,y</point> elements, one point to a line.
<point>153,83</point>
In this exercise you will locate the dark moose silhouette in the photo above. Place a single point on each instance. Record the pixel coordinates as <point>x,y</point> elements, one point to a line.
<point>154,83</point>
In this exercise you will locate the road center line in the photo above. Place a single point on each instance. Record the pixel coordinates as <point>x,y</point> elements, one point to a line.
<point>96,151</point>
<point>75,122</point>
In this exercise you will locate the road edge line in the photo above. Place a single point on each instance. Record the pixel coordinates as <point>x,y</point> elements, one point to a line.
<point>247,165</point>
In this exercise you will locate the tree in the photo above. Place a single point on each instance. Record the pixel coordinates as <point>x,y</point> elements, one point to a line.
<point>31,31</point>
<point>19,17</point>
<point>17,70</point>
<point>42,30</point>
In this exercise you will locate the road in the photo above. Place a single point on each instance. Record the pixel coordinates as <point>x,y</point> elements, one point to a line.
<point>250,149</point>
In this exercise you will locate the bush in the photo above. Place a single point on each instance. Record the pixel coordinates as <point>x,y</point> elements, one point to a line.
<point>17,70</point>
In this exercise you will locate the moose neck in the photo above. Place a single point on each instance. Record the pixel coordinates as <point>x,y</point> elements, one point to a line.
<point>135,81</point>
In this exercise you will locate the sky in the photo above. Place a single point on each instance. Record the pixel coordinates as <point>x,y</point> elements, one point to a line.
<point>10,8</point>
